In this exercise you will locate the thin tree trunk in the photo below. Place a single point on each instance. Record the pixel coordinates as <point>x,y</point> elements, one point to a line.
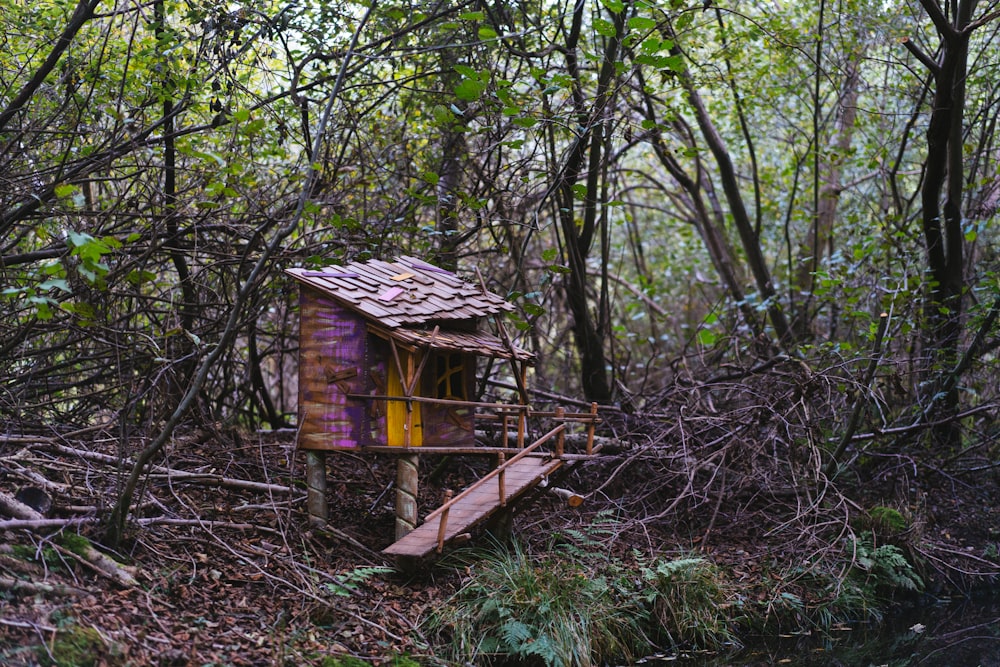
<point>820,236</point>
<point>744,225</point>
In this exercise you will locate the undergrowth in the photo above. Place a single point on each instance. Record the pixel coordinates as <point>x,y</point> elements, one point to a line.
<point>576,604</point>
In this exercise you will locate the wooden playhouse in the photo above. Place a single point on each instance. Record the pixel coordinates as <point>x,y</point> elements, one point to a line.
<point>388,355</point>
<point>389,359</point>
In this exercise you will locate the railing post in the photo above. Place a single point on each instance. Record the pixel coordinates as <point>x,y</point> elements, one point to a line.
<point>590,428</point>
<point>522,417</point>
<point>443,523</point>
<point>561,436</point>
<point>504,426</point>
<point>501,483</point>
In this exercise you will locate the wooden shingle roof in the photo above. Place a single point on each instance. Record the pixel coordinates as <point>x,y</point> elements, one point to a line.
<point>407,297</point>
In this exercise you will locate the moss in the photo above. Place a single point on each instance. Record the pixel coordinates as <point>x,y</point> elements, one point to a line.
<point>888,520</point>
<point>404,661</point>
<point>343,661</point>
<point>74,646</point>
<point>77,544</point>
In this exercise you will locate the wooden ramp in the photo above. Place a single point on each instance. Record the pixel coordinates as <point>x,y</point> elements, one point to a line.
<point>474,505</point>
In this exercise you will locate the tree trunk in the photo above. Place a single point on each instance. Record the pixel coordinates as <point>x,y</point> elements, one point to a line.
<point>942,223</point>
<point>819,239</point>
<point>588,335</point>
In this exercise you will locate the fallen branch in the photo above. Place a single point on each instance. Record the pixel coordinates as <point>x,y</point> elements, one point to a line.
<point>41,524</point>
<point>163,472</point>
<point>13,585</point>
<point>12,507</point>
<point>100,563</point>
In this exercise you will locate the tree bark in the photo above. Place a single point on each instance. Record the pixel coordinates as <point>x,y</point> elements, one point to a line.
<point>587,334</point>
<point>941,200</point>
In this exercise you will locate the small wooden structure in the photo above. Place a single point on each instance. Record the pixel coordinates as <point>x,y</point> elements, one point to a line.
<point>388,361</point>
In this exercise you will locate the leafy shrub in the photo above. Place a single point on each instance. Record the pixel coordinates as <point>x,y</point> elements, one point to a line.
<point>578,605</point>
<point>537,610</point>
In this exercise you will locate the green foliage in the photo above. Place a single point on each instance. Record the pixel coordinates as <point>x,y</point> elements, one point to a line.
<point>883,568</point>
<point>580,605</point>
<point>541,610</point>
<point>343,661</point>
<point>887,520</point>
<point>687,602</point>
<point>347,583</point>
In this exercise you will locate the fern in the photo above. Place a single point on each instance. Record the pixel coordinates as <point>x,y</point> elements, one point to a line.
<point>514,634</point>
<point>347,583</point>
<point>886,566</point>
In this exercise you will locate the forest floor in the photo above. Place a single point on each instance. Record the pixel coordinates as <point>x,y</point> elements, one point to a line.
<point>227,570</point>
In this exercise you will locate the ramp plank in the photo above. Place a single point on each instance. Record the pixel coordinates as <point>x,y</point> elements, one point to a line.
<point>481,501</point>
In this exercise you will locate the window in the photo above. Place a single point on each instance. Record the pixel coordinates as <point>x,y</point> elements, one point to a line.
<point>451,377</point>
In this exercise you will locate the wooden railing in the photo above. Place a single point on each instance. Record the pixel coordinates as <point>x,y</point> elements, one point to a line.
<point>558,432</point>
<point>501,412</point>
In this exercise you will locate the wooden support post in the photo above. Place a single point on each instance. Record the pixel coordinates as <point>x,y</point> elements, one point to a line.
<point>561,436</point>
<point>501,482</point>
<point>590,428</point>
<point>522,418</point>
<point>407,474</point>
<point>408,382</point>
<point>443,522</point>
<point>316,488</point>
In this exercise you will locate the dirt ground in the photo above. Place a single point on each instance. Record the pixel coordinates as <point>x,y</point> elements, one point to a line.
<point>227,570</point>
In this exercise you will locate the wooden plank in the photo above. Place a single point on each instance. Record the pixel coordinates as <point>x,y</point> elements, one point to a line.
<point>481,501</point>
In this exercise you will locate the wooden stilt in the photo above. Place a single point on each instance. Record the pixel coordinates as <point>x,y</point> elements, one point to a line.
<point>406,494</point>
<point>316,488</point>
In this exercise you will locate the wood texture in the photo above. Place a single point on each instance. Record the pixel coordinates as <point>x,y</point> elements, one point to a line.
<point>479,503</point>
<point>332,343</point>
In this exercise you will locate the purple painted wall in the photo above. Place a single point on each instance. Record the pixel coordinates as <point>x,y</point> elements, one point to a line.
<point>337,357</point>
<point>331,365</point>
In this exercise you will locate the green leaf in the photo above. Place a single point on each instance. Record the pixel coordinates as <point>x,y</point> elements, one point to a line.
<point>485,33</point>
<point>65,190</point>
<point>472,16</point>
<point>533,309</point>
<point>641,23</point>
<point>469,90</point>
<point>604,27</point>
<point>253,127</point>
<point>55,283</point>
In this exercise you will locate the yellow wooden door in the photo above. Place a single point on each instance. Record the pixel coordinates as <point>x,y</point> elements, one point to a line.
<point>397,423</point>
